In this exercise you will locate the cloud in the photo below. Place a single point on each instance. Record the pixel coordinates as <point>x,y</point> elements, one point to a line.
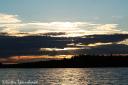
<point>55,26</point>
<point>124,42</point>
<point>108,49</point>
<point>11,28</point>
<point>87,27</point>
<point>107,28</point>
<point>40,45</point>
<point>5,18</point>
<point>11,24</point>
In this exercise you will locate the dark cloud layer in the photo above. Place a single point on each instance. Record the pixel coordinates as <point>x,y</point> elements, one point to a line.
<point>31,45</point>
<point>107,49</point>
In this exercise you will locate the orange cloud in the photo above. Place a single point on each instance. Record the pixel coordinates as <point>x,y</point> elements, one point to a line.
<point>18,59</point>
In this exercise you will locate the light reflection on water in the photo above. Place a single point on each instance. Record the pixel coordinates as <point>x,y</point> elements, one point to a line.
<point>69,76</point>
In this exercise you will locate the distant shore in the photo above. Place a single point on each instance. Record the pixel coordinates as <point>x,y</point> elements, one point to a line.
<point>81,61</point>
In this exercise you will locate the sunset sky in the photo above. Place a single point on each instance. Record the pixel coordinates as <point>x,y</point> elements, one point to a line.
<point>74,27</point>
<point>90,16</point>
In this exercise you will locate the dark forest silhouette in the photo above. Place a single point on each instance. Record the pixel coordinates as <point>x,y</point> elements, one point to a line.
<point>80,61</point>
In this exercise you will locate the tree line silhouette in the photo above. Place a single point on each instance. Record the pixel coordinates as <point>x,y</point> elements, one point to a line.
<point>79,61</point>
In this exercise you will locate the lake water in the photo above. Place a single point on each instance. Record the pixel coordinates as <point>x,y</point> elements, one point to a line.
<point>64,76</point>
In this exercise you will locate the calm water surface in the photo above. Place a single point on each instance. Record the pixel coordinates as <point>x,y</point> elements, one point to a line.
<point>66,76</point>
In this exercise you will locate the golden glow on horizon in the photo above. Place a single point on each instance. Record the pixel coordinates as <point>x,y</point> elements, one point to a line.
<point>17,59</point>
